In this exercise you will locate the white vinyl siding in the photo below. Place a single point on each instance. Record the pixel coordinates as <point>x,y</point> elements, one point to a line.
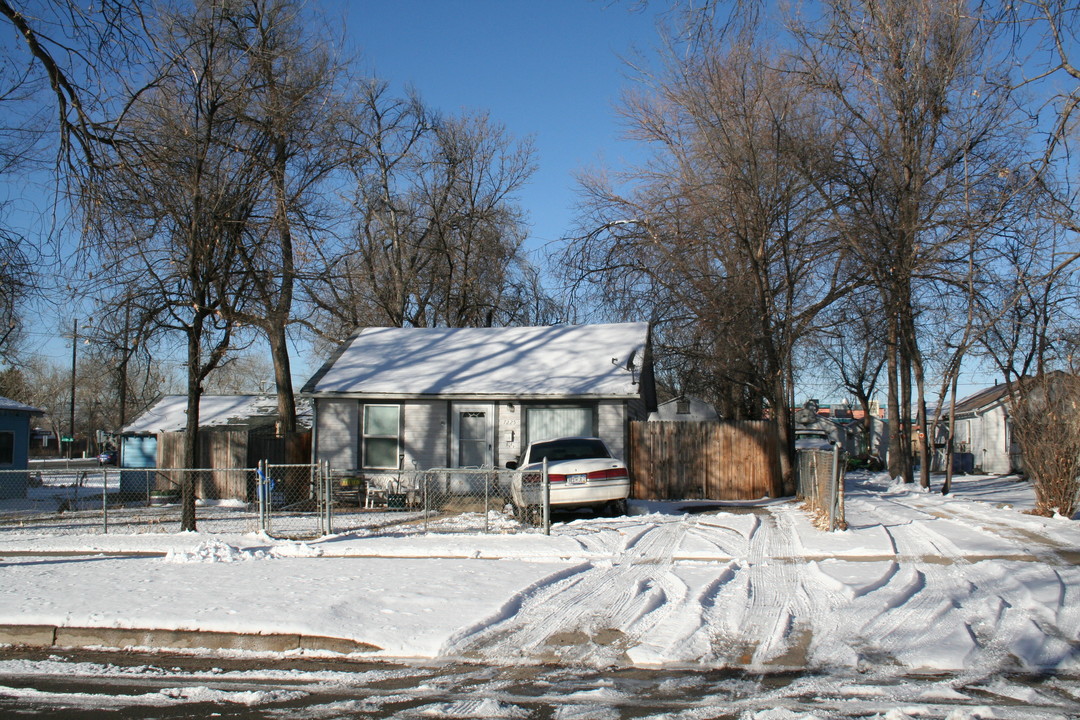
<point>425,434</point>
<point>611,422</point>
<point>336,434</point>
<point>508,443</point>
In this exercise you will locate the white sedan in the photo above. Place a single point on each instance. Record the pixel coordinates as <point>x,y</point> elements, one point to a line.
<point>582,473</point>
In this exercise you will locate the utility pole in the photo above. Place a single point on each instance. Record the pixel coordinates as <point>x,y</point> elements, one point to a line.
<point>123,367</point>
<point>71,421</point>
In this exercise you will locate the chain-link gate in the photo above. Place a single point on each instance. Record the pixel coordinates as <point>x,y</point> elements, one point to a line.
<point>292,499</point>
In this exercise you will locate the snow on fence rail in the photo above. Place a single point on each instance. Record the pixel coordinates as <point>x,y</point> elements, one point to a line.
<point>281,500</point>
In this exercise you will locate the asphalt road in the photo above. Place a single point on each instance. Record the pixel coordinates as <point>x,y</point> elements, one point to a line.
<point>88,684</point>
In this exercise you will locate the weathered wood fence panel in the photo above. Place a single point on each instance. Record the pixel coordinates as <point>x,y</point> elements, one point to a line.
<point>222,450</point>
<point>291,449</point>
<point>727,460</point>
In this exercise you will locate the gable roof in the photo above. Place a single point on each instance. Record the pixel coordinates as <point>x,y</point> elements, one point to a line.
<point>9,404</point>
<point>981,399</point>
<point>561,360</point>
<point>169,414</point>
<point>998,393</point>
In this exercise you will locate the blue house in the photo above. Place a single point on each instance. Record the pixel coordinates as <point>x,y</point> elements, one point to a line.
<point>14,447</point>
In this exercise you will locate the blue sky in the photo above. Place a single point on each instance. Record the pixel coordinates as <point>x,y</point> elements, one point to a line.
<point>550,69</point>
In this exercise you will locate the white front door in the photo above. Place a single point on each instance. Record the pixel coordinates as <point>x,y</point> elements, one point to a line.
<point>474,435</point>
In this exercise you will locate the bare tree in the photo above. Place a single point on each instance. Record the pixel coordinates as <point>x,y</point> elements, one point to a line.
<point>294,107</point>
<point>721,240</point>
<point>58,72</point>
<point>176,200</point>
<point>925,122</point>
<point>849,348</point>
<point>437,232</point>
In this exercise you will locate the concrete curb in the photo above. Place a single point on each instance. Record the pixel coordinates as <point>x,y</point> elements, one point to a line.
<point>121,638</point>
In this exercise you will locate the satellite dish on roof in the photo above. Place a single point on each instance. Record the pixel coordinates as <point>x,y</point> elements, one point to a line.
<point>629,366</point>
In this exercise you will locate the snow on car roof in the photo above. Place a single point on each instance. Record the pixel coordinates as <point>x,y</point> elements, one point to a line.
<point>565,360</point>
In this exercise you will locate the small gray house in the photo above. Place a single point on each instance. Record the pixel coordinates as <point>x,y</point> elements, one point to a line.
<point>14,446</point>
<point>420,398</point>
<point>686,409</point>
<point>983,438</point>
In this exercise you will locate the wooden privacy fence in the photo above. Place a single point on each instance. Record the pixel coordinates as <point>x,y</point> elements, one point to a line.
<point>223,450</point>
<point>726,460</point>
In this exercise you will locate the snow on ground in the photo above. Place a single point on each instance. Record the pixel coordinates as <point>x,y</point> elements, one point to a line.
<point>918,582</point>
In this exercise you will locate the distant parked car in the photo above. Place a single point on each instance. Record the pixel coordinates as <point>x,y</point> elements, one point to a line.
<point>582,472</point>
<point>108,457</point>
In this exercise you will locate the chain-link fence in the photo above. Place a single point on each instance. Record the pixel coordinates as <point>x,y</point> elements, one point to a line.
<point>296,501</point>
<point>821,485</point>
<point>436,500</point>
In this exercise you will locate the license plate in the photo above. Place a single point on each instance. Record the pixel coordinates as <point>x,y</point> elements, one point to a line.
<point>577,479</point>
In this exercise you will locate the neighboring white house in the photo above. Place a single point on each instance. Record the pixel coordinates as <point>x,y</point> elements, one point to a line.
<point>474,397</point>
<point>983,431</point>
<point>685,408</point>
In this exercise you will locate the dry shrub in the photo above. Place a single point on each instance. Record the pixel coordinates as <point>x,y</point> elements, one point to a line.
<point>1046,426</point>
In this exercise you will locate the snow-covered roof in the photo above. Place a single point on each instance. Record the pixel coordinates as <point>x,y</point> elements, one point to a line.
<point>9,404</point>
<point>561,360</point>
<point>169,414</point>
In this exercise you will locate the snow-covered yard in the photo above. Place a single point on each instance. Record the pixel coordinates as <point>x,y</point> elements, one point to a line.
<point>919,581</point>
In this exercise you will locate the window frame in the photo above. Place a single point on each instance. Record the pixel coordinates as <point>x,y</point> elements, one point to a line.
<point>365,436</point>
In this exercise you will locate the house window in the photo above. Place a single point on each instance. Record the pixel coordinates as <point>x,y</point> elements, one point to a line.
<point>381,436</point>
<point>548,423</point>
<point>7,448</point>
<point>682,407</point>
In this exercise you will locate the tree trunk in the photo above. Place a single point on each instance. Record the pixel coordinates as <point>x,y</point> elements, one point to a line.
<point>787,447</point>
<point>191,430</point>
<point>896,454</point>
<point>283,379</point>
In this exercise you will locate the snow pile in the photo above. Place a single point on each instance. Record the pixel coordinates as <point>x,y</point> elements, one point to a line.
<point>213,551</point>
<point>251,698</point>
<point>295,550</point>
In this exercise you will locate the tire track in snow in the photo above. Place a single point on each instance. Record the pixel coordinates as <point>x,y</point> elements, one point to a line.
<point>765,619</point>
<point>898,516</point>
<point>593,616</point>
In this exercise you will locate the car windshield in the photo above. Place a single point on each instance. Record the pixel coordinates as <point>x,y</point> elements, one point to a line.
<point>568,449</point>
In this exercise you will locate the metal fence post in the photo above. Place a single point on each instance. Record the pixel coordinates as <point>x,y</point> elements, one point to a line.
<point>424,494</point>
<point>328,489</point>
<point>261,490</point>
<point>832,487</point>
<point>105,501</point>
<point>838,491</point>
<point>487,500</point>
<point>547,500</point>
